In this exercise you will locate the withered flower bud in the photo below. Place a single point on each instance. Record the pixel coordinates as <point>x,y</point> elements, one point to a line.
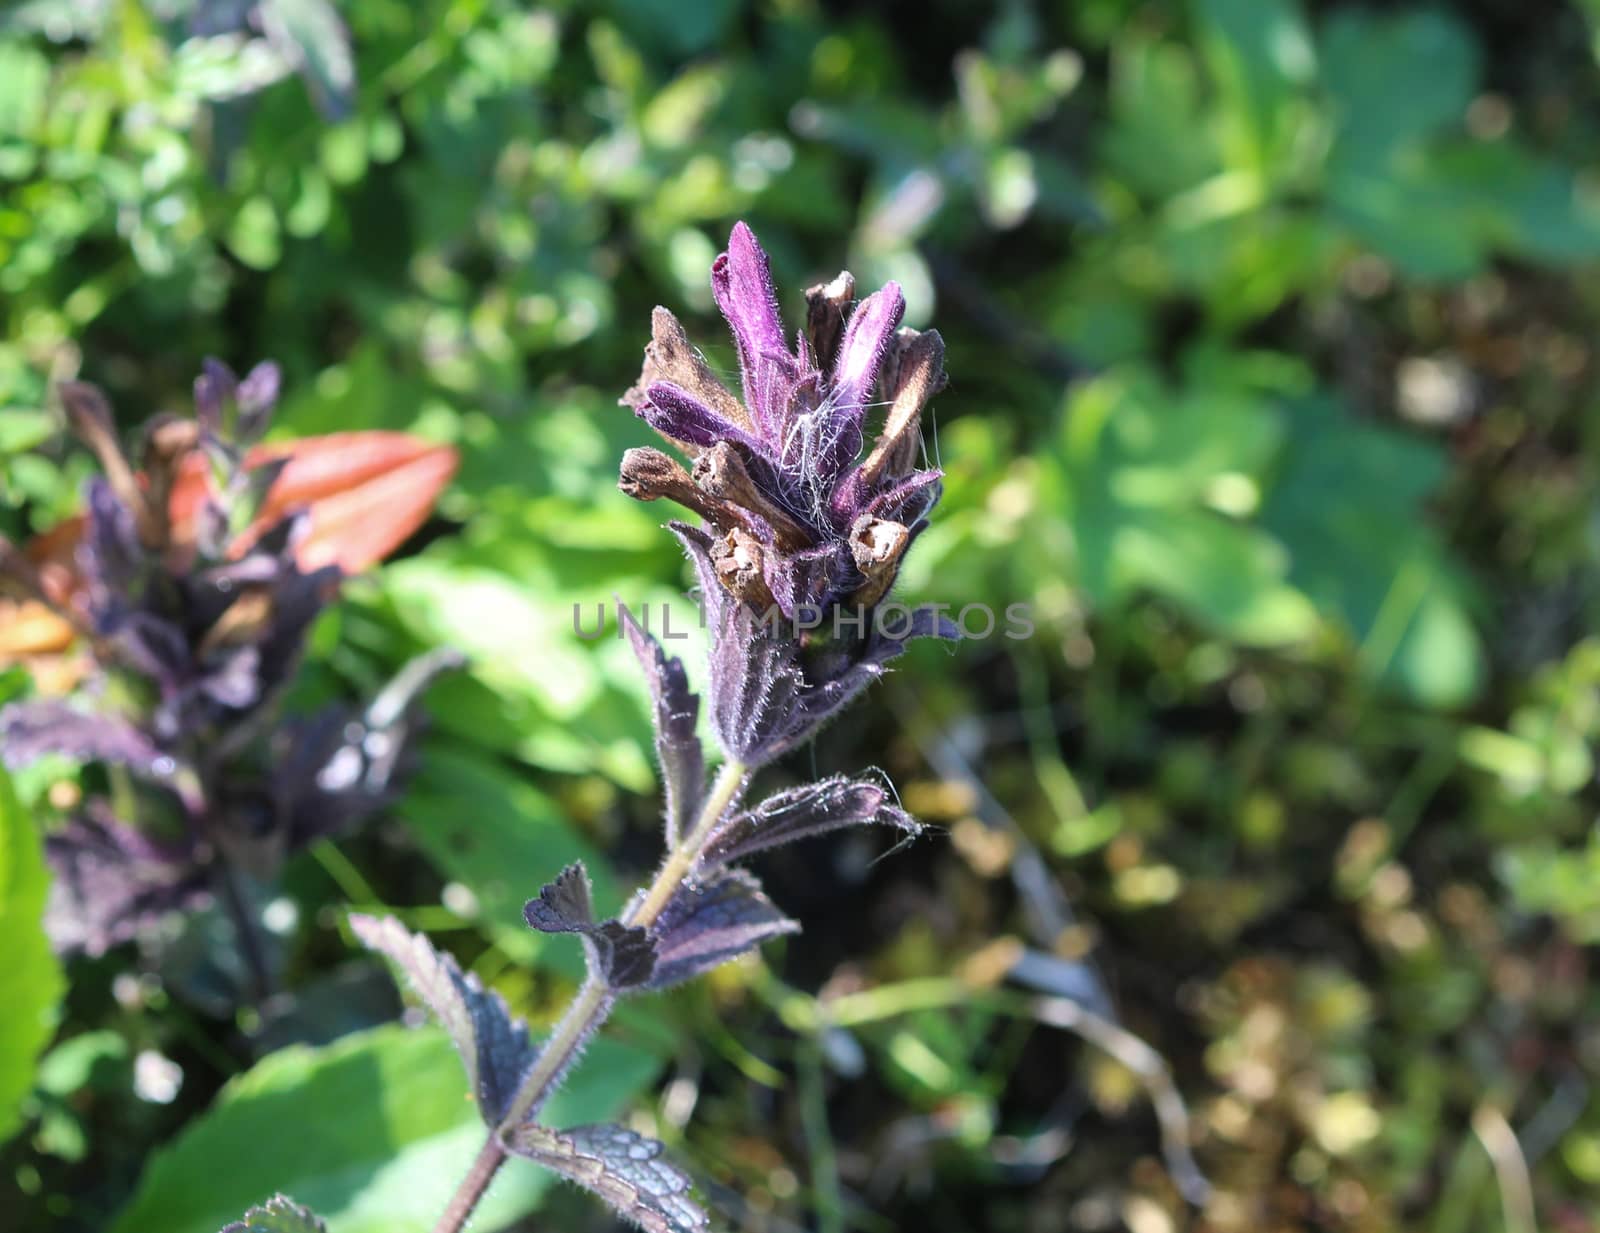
<point>913,373</point>
<point>827,310</point>
<point>877,545</point>
<point>738,560</point>
<point>649,475</point>
<point>721,472</point>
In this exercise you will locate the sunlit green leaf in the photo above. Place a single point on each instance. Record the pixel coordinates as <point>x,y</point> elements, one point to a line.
<point>372,1132</point>
<point>30,978</point>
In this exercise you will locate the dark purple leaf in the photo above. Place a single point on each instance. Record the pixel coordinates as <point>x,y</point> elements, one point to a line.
<point>339,768</point>
<point>801,581</point>
<point>31,730</point>
<point>675,713</point>
<point>837,683</point>
<point>766,697</point>
<point>494,1047</point>
<point>621,956</point>
<point>153,647</point>
<point>709,922</point>
<point>623,1168</point>
<point>563,906</point>
<point>297,600</point>
<point>800,813</point>
<point>233,680</point>
<point>111,882</point>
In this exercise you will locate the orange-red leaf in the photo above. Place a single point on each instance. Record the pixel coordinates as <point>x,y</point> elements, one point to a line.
<point>366,492</point>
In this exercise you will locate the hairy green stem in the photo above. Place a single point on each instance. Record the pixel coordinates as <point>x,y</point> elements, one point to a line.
<point>591,1006</point>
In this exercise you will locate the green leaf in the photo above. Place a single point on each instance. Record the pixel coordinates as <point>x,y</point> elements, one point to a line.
<point>1383,175</point>
<point>681,29</point>
<point>278,1215</point>
<point>1153,142</point>
<point>1371,561</point>
<point>311,36</point>
<point>1371,68</point>
<point>1563,882</point>
<point>514,637</point>
<point>253,235</point>
<point>24,89</point>
<point>1260,52</point>
<point>502,839</point>
<point>374,1132</point>
<point>30,978</point>
<point>1155,482</point>
<point>24,428</point>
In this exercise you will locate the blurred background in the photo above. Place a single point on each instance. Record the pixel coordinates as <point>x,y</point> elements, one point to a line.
<point>1271,331</point>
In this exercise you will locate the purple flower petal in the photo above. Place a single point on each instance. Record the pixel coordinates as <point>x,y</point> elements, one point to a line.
<point>907,501</point>
<point>257,396</point>
<point>214,388</point>
<point>741,281</point>
<point>871,326</point>
<point>676,413</point>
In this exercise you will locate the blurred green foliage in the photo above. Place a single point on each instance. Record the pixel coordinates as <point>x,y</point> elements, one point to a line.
<point>1270,328</point>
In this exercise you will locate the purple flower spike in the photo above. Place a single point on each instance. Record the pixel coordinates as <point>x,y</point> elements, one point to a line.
<point>798,530</point>
<point>777,475</point>
<point>866,338</point>
<point>677,414</point>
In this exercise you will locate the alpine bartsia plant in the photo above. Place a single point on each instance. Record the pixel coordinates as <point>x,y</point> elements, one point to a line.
<point>192,591</point>
<point>794,521</point>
